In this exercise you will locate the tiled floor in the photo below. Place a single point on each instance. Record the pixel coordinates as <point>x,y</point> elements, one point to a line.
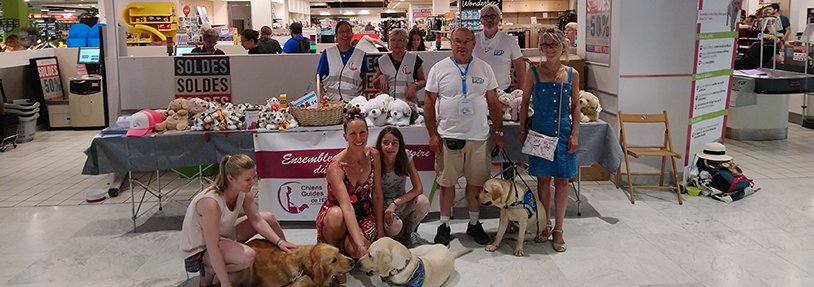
<point>53,238</point>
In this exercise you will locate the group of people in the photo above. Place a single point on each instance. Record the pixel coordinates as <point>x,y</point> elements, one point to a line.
<point>774,37</point>
<point>257,42</point>
<point>367,197</point>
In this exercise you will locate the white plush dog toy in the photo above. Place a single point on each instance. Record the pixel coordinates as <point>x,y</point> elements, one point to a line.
<point>358,102</point>
<point>376,111</point>
<point>400,113</point>
<point>290,118</point>
<point>506,106</point>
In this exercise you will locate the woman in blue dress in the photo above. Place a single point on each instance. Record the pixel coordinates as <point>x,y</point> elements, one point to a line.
<point>548,86</point>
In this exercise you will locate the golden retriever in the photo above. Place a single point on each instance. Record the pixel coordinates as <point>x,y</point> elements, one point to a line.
<point>272,267</point>
<point>504,194</point>
<point>397,265</point>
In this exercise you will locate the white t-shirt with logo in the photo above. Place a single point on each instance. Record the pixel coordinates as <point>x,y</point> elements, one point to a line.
<point>445,79</point>
<point>498,52</point>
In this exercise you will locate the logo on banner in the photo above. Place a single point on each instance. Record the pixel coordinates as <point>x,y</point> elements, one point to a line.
<point>295,197</point>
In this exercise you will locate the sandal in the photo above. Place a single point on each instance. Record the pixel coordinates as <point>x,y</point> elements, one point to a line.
<point>539,238</point>
<point>559,247</point>
<point>340,279</point>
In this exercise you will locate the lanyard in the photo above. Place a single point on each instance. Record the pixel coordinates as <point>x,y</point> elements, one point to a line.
<point>463,72</point>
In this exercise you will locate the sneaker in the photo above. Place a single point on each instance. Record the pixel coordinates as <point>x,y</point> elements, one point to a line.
<point>476,231</point>
<point>415,239</point>
<point>442,236</point>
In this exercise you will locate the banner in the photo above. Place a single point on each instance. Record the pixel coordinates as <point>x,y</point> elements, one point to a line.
<point>598,31</point>
<point>422,10</point>
<point>292,167</point>
<point>478,4</point>
<point>715,47</point>
<point>208,78</point>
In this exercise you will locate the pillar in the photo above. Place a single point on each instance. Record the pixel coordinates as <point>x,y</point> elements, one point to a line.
<point>261,14</point>
<point>16,9</point>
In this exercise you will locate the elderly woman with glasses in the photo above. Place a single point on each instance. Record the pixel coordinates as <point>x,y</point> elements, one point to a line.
<point>353,215</point>
<point>342,67</point>
<point>549,86</point>
<point>400,73</point>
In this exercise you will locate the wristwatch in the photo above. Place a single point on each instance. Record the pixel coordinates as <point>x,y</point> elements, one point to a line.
<point>500,133</point>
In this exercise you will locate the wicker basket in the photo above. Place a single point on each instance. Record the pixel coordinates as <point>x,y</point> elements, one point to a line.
<point>325,115</point>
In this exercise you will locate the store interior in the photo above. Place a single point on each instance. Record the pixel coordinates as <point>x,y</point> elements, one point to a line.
<point>82,212</point>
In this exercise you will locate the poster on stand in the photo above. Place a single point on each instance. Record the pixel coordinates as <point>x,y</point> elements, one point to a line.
<point>598,32</point>
<point>50,82</point>
<point>292,167</point>
<point>715,47</point>
<point>208,78</point>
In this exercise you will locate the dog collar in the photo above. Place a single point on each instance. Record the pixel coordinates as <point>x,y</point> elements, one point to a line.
<point>416,278</point>
<point>298,277</point>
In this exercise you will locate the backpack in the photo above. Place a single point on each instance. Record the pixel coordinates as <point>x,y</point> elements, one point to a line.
<point>302,45</point>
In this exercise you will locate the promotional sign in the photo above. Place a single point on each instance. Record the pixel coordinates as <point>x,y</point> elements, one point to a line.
<point>715,47</point>
<point>477,4</point>
<point>372,62</point>
<point>292,168</point>
<point>207,78</point>
<point>48,76</point>
<point>422,11</point>
<point>598,31</point>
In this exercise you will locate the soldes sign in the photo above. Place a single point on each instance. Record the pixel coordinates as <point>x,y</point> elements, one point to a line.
<point>208,78</point>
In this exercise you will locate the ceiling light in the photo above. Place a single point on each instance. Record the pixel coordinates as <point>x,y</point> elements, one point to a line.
<point>324,13</point>
<point>364,12</point>
<point>349,12</point>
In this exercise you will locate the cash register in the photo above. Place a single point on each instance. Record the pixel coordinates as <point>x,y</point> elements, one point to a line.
<point>86,99</point>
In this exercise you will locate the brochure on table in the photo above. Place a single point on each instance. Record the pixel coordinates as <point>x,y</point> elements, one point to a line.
<point>716,43</point>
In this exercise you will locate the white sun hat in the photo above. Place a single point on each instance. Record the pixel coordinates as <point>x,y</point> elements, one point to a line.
<point>714,151</point>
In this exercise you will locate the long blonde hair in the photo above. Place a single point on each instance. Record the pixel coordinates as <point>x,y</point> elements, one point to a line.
<point>230,165</point>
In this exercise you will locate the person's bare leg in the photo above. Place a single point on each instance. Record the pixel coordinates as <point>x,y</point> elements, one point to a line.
<point>560,204</point>
<point>333,227</point>
<point>544,192</point>
<point>472,197</point>
<point>447,199</point>
<point>236,257</point>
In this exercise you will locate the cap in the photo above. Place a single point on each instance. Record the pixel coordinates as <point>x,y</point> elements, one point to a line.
<point>143,122</point>
<point>296,28</point>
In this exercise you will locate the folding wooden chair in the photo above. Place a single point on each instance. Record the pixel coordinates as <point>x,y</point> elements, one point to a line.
<point>663,151</point>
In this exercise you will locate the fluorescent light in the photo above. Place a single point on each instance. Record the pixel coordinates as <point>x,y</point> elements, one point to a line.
<point>364,12</point>
<point>324,13</point>
<point>69,11</point>
<point>349,13</point>
<point>397,4</point>
<point>389,11</point>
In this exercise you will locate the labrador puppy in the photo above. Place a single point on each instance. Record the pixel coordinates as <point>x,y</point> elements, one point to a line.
<point>306,265</point>
<point>399,266</point>
<point>504,194</point>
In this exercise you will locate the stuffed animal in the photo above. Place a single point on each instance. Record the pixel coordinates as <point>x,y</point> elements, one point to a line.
<point>196,106</point>
<point>358,102</point>
<point>385,98</point>
<point>264,120</point>
<point>275,118</point>
<point>272,104</point>
<point>589,105</point>
<point>218,120</point>
<point>290,118</point>
<point>177,116</point>
<point>197,122</point>
<point>415,116</point>
<point>210,107</point>
<point>400,113</point>
<point>233,122</point>
<point>506,105</point>
<point>376,111</point>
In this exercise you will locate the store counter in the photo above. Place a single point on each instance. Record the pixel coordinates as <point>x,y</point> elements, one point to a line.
<point>759,104</point>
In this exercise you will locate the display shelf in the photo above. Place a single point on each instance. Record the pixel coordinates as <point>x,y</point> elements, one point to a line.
<point>153,22</point>
<point>470,19</point>
<point>149,14</point>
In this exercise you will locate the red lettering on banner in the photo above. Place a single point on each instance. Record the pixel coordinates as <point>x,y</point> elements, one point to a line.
<point>423,157</point>
<point>222,98</point>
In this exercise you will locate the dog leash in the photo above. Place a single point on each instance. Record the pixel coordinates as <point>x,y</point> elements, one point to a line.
<point>518,200</point>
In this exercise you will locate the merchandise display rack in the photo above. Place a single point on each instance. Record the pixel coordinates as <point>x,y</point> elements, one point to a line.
<point>150,23</point>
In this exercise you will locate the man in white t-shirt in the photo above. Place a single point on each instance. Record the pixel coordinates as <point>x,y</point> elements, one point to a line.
<point>499,49</point>
<point>463,87</point>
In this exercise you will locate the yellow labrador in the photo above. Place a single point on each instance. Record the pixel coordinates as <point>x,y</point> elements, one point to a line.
<point>426,265</point>
<point>516,205</point>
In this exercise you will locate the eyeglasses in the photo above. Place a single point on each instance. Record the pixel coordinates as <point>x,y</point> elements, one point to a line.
<point>489,17</point>
<point>550,45</point>
<point>355,116</point>
<point>460,42</point>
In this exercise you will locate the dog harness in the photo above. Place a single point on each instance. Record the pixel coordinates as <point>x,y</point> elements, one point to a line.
<point>416,279</point>
<point>528,203</point>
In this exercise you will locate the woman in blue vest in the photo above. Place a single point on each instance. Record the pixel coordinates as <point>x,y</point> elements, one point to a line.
<point>400,73</point>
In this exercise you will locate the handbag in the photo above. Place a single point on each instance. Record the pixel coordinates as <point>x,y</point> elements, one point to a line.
<point>542,145</point>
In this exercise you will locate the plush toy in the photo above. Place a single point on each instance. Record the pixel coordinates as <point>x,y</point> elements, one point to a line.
<point>589,105</point>
<point>197,122</point>
<point>290,118</point>
<point>177,116</point>
<point>218,120</point>
<point>400,113</point>
<point>385,98</point>
<point>210,107</point>
<point>264,120</point>
<point>273,104</point>
<point>275,118</point>
<point>358,102</point>
<point>415,115</point>
<point>232,122</point>
<point>376,111</point>
<point>196,106</point>
<point>506,105</point>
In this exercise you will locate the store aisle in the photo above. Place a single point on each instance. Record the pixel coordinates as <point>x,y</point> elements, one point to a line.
<point>764,240</point>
